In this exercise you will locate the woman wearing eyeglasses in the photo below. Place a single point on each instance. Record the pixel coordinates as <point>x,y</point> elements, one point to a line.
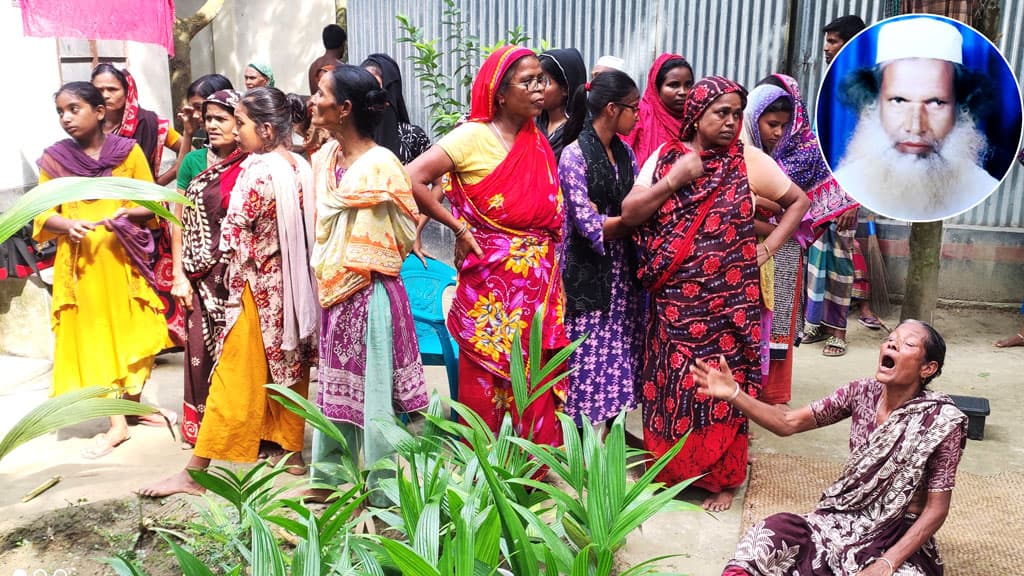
<point>507,218</point>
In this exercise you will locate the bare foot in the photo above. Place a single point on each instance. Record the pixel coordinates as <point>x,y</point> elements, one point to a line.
<point>161,419</point>
<point>1011,341</point>
<point>296,466</point>
<point>314,495</point>
<point>180,483</point>
<point>719,502</point>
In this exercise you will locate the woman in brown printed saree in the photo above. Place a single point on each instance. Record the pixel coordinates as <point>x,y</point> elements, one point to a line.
<point>880,516</point>
<point>199,265</point>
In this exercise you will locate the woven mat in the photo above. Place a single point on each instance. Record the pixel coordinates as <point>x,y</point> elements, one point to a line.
<point>981,535</point>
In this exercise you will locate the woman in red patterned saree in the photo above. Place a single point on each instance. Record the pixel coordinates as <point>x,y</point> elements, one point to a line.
<point>699,260</point>
<point>507,218</point>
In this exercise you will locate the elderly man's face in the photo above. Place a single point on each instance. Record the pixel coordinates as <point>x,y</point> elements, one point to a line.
<point>917,104</point>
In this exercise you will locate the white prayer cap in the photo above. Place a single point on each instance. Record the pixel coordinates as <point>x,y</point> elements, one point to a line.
<point>610,62</point>
<point>921,37</point>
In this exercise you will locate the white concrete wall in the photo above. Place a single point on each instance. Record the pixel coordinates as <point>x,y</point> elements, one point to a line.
<point>32,71</point>
<point>285,34</point>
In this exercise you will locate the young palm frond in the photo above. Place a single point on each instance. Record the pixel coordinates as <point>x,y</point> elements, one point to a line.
<point>70,189</point>
<point>67,410</point>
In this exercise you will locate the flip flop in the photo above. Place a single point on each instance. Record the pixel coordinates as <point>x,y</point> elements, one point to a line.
<point>835,343</point>
<point>97,451</point>
<point>870,322</point>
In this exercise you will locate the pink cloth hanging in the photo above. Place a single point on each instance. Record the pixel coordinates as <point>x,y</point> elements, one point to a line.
<point>150,21</point>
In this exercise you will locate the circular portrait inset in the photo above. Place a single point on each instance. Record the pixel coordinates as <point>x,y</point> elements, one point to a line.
<point>919,117</point>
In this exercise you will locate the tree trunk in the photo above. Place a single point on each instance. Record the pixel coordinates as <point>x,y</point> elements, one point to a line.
<point>922,286</point>
<point>180,65</point>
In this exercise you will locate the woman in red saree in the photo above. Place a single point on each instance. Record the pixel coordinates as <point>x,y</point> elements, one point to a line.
<point>699,260</point>
<point>507,218</point>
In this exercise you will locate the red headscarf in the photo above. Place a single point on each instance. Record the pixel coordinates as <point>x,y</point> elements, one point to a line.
<point>655,125</point>
<point>488,79</point>
<point>143,126</point>
<point>516,208</point>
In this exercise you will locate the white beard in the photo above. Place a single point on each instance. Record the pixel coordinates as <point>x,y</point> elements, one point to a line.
<point>909,186</point>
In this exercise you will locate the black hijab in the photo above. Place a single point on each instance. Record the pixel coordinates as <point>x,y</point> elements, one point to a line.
<point>571,72</point>
<point>387,134</point>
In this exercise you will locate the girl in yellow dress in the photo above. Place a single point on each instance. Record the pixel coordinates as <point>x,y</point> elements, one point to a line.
<point>106,319</point>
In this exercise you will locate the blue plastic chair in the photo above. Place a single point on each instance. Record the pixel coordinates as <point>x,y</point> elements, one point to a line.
<point>426,286</point>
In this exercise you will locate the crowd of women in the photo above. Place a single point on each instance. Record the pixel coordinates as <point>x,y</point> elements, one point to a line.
<point>668,225</point>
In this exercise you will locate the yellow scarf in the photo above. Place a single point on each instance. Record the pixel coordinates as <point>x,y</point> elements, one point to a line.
<point>365,223</point>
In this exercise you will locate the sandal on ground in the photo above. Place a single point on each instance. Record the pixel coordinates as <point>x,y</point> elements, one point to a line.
<point>101,446</point>
<point>1011,341</point>
<point>870,322</point>
<point>812,335</point>
<point>834,347</point>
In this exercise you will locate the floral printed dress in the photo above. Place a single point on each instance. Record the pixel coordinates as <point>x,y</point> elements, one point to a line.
<point>602,383</point>
<point>249,235</point>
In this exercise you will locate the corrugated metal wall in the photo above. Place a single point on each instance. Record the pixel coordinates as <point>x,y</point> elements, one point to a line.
<point>744,40</point>
<point>741,39</point>
<point>1005,208</point>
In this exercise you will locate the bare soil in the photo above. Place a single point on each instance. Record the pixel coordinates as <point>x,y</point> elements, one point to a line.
<point>92,514</point>
<point>77,538</point>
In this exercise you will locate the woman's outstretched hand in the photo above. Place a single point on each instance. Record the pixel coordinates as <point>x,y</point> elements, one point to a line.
<point>714,381</point>
<point>77,229</point>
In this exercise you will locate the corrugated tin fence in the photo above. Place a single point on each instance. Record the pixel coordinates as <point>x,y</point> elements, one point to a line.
<point>740,39</point>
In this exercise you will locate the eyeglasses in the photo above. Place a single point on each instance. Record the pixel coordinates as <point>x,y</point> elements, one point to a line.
<point>634,107</point>
<point>535,84</point>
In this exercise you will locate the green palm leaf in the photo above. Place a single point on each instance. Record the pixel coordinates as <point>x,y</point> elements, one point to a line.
<point>62,190</point>
<point>67,410</point>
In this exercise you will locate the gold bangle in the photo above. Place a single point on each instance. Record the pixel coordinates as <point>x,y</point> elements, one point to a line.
<point>671,185</point>
<point>461,231</point>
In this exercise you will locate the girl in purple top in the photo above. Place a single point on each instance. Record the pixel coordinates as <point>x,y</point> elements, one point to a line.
<point>603,297</point>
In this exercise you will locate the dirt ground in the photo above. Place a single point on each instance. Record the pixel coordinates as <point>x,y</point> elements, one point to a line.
<point>92,513</point>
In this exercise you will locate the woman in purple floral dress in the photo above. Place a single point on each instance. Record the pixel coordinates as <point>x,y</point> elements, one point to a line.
<point>603,297</point>
<point>880,516</point>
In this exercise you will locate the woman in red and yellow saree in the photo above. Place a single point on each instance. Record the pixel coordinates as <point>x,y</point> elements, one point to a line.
<point>880,516</point>
<point>699,260</point>
<point>507,218</point>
